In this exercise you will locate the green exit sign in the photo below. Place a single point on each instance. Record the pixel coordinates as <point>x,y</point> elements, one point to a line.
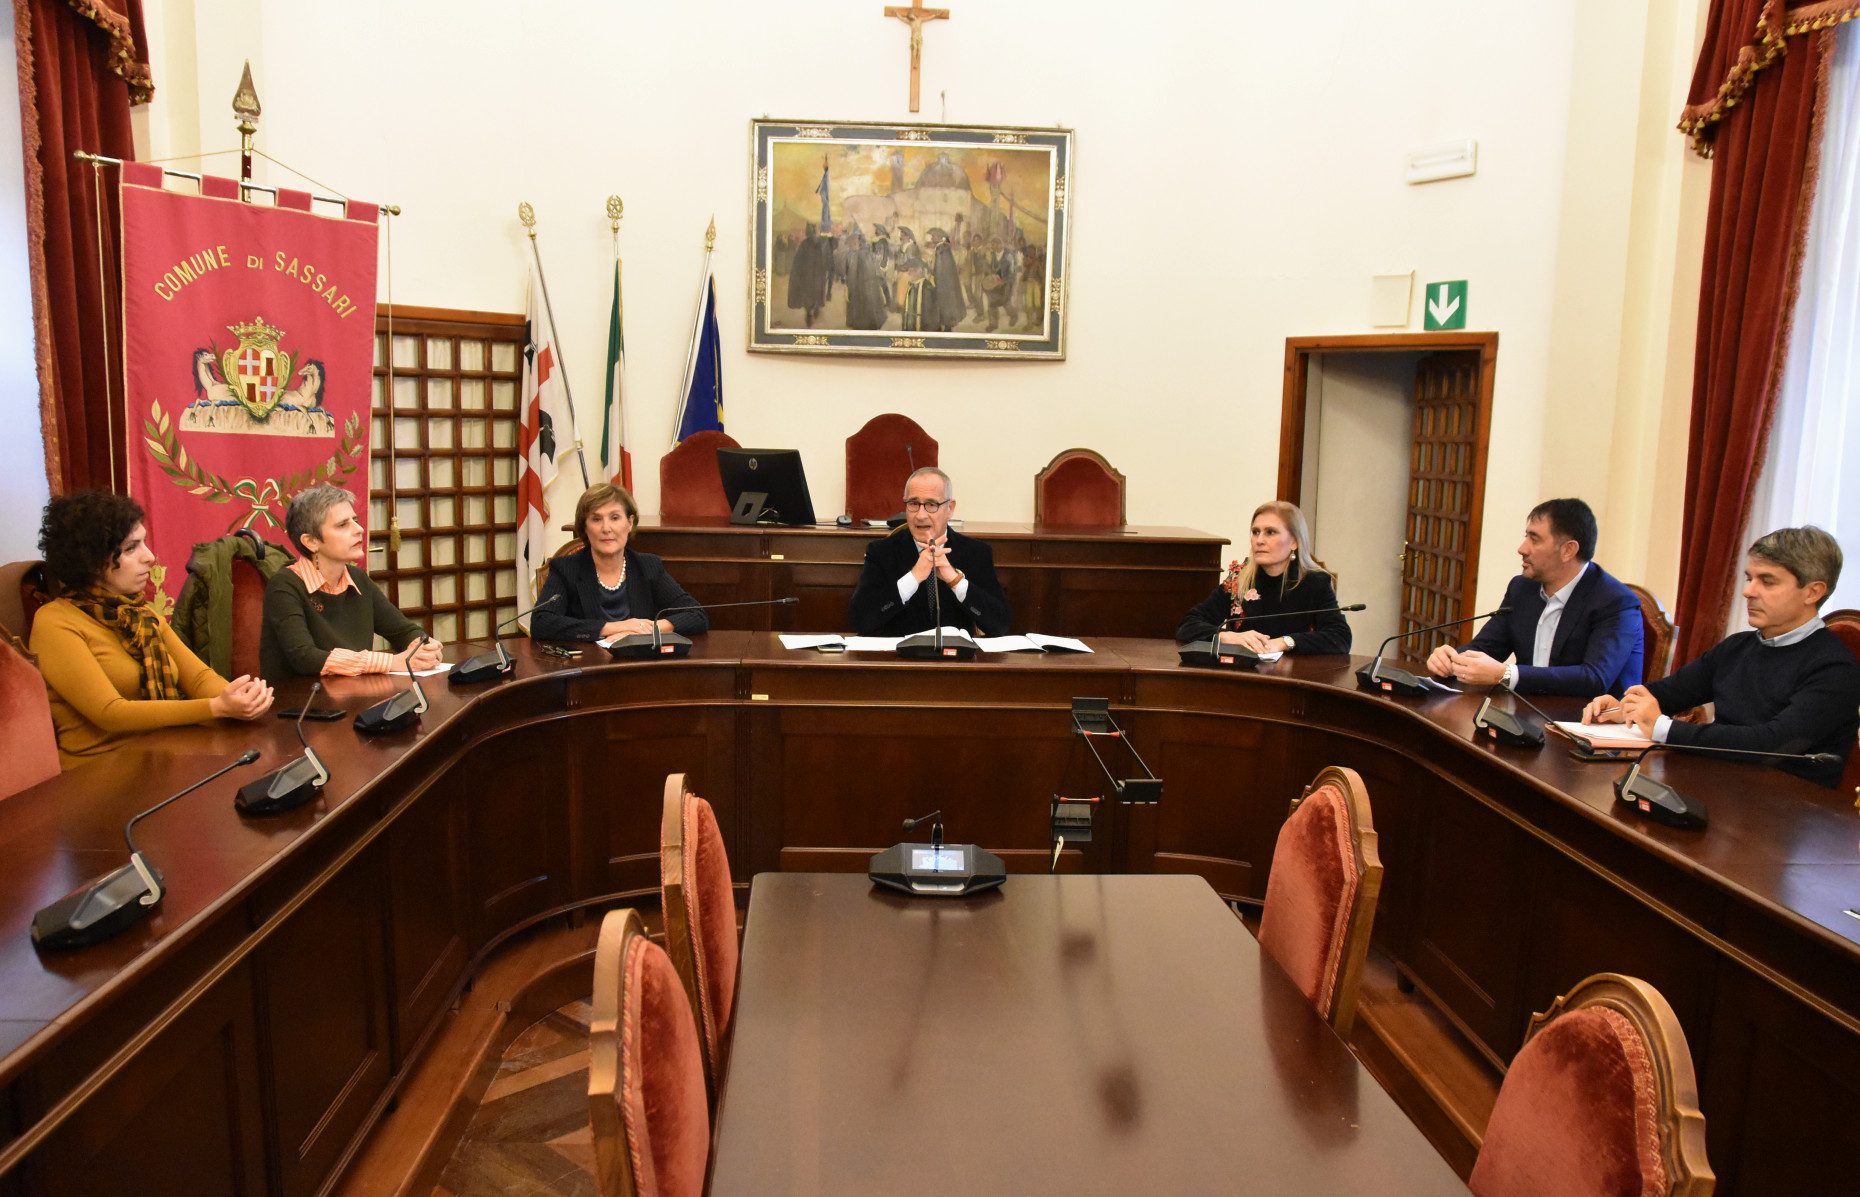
<point>1445,305</point>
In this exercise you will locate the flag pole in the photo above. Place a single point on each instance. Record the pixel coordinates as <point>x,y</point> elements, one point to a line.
<point>613,408</point>
<point>527,215</point>
<point>697,330</point>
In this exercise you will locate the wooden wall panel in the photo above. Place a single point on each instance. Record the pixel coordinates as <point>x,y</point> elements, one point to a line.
<point>324,1007</point>
<point>185,1118</point>
<point>426,909</point>
<point>621,780</point>
<point>516,826</point>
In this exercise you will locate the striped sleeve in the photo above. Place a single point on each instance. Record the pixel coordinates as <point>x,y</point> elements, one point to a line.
<point>348,662</point>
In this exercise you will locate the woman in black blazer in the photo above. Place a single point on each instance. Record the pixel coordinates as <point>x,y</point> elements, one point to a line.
<point>608,589</point>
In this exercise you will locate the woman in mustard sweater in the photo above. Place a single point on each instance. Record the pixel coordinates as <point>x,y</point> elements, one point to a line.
<point>113,666</point>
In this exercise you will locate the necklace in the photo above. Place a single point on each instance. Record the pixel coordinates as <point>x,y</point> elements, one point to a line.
<point>617,585</point>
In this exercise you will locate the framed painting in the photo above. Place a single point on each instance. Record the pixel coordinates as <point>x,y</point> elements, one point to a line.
<point>909,240</point>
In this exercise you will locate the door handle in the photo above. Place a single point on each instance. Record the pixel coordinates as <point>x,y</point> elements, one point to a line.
<point>1401,558</point>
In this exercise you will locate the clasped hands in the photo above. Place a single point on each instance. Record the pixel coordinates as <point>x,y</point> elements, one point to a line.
<point>1472,667</point>
<point>245,697</point>
<point>626,627</point>
<point>1258,642</point>
<point>1637,706</point>
<point>935,556</point>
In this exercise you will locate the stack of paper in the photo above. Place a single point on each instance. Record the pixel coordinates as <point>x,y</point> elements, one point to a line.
<point>1605,735</point>
<point>1032,642</point>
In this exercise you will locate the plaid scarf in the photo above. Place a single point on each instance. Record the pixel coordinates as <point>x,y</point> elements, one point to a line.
<point>141,630</point>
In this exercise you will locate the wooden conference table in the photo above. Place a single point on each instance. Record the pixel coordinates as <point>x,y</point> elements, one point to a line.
<point>247,1035</point>
<point>1127,581</point>
<point>1071,1034</point>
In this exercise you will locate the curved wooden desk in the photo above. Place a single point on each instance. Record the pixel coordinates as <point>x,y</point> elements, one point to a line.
<point>249,1033</point>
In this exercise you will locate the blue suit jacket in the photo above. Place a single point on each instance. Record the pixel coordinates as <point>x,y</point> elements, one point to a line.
<point>1597,649</point>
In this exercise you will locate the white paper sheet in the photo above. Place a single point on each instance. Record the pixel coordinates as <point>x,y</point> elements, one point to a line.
<point>792,640</point>
<point>439,668</point>
<point>1006,644</point>
<point>872,644</point>
<point>1064,643</point>
<point>1608,735</point>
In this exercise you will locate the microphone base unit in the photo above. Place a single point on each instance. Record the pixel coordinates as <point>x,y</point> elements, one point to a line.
<point>643,646</point>
<point>396,714</point>
<point>1506,728</point>
<point>1215,655</point>
<point>105,907</point>
<point>937,870</point>
<point>485,667</point>
<point>1659,801</point>
<point>925,647</point>
<point>284,790</point>
<point>1387,679</point>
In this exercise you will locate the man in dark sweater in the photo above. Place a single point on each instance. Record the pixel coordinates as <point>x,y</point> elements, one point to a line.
<point>1788,685</point>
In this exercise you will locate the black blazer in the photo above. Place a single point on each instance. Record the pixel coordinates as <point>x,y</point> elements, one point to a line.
<point>577,616</point>
<point>876,610</point>
<point>1597,648</point>
<point>1267,614</point>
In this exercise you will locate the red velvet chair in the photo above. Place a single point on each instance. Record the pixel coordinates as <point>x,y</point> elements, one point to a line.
<point>22,593</point>
<point>1846,625</point>
<point>689,482</point>
<point>1600,1101</point>
<point>879,458</point>
<point>1321,896</point>
<point>28,744</point>
<point>1658,635</point>
<point>645,1074</point>
<point>699,902</point>
<point>1078,489</point>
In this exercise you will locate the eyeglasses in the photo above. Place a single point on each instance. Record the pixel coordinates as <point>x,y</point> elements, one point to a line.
<point>930,505</point>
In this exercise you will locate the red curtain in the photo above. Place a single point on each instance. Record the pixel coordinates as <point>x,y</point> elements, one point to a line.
<point>82,63</point>
<point>1754,110</point>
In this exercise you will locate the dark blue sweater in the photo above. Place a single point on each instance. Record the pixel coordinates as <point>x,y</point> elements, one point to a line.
<point>1802,697</point>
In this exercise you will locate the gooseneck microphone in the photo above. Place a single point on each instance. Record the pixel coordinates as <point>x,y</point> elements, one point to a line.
<point>118,899</point>
<point>646,646</point>
<point>1664,804</point>
<point>1505,726</point>
<point>935,819</point>
<point>293,785</point>
<point>1238,656</point>
<point>1392,680</point>
<point>396,713</point>
<point>497,663</point>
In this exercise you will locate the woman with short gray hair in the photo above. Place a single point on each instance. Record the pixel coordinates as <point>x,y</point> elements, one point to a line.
<point>322,613</point>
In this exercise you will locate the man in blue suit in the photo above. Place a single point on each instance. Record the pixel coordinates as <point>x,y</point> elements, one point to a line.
<point>1571,627</point>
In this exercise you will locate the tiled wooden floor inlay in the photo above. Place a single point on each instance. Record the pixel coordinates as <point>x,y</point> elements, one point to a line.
<point>530,1135</point>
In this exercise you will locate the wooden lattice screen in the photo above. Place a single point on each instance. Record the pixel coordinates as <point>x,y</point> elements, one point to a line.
<point>454,467</point>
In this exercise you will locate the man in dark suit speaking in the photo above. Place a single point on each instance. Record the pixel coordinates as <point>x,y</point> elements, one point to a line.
<point>922,558</point>
<point>1572,628</point>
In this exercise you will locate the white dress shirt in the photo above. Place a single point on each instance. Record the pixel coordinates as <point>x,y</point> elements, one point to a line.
<point>908,583</point>
<point>1546,626</point>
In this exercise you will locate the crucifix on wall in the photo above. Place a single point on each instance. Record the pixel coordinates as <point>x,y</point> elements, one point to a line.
<point>915,16</point>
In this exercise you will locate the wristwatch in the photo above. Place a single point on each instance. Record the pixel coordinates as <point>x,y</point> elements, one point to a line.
<point>1288,643</point>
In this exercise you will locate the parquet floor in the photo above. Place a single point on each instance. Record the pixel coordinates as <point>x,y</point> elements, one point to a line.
<point>530,1135</point>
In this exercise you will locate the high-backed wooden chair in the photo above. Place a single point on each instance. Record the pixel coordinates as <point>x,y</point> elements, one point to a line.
<point>28,744</point>
<point>645,1075</point>
<point>1658,635</point>
<point>1846,624</point>
<point>1321,896</point>
<point>879,458</point>
<point>689,481</point>
<point>22,593</point>
<point>1078,489</point>
<point>1600,1100</point>
<point>700,918</point>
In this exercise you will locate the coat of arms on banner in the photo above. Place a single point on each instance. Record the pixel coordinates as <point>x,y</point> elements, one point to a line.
<point>251,388</point>
<point>270,311</point>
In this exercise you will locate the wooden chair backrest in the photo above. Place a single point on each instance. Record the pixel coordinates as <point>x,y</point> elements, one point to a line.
<point>690,481</point>
<point>22,593</point>
<point>613,1155</point>
<point>1353,948</point>
<point>1845,623</point>
<point>1079,488</point>
<point>1658,635</point>
<point>1680,1122</point>
<point>877,464</point>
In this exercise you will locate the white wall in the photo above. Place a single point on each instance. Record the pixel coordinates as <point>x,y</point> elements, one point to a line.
<point>1236,183</point>
<point>22,451</point>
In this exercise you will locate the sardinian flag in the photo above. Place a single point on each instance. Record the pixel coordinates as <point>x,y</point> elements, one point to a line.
<point>543,436</point>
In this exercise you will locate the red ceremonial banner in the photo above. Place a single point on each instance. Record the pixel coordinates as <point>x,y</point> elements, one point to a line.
<point>248,334</point>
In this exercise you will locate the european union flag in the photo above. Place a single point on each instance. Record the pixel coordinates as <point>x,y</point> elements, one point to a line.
<point>703,403</point>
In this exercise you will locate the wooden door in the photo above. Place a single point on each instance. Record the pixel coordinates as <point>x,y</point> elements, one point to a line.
<point>1446,475</point>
